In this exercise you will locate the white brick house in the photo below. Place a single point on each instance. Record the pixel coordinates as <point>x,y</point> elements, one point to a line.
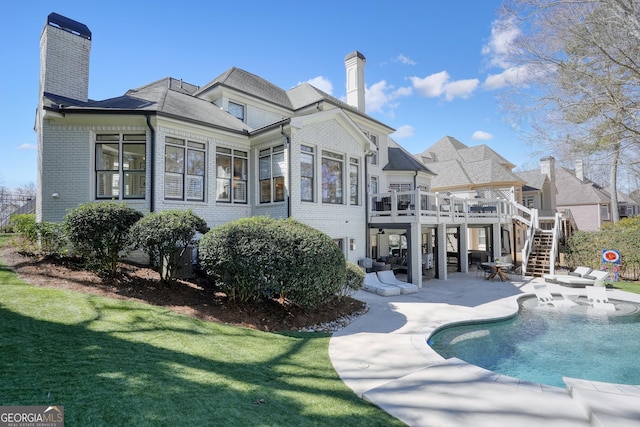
<point>241,146</point>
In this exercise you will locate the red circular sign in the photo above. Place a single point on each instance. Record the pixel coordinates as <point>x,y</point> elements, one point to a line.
<point>610,256</point>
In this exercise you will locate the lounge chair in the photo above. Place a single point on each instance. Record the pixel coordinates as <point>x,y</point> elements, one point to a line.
<point>586,280</point>
<point>388,278</point>
<point>597,296</point>
<point>544,297</point>
<point>578,272</point>
<point>373,284</point>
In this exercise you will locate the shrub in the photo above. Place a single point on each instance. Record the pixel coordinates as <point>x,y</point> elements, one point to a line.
<point>27,229</point>
<point>100,232</point>
<point>354,279</point>
<point>256,257</point>
<point>585,247</point>
<point>53,238</point>
<point>165,236</point>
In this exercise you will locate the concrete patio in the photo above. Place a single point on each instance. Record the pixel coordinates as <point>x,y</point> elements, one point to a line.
<point>383,357</point>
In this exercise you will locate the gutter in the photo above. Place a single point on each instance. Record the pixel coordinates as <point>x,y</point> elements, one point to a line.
<point>152,168</point>
<point>288,144</point>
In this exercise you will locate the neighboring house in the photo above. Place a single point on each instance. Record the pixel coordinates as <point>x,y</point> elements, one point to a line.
<point>589,203</point>
<point>240,146</point>
<point>476,172</point>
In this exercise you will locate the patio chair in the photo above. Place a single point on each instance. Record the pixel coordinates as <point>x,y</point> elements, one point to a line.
<point>545,297</point>
<point>373,284</point>
<point>578,272</point>
<point>388,278</point>
<point>597,296</point>
<point>585,280</point>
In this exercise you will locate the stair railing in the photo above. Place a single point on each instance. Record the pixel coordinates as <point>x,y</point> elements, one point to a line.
<point>528,242</point>
<point>555,243</point>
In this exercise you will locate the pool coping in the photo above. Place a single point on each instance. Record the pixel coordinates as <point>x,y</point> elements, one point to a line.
<point>392,379</point>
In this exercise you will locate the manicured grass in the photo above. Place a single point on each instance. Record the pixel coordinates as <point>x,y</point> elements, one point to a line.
<point>112,362</point>
<point>626,286</point>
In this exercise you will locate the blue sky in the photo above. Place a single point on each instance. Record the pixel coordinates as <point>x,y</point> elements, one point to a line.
<point>433,67</point>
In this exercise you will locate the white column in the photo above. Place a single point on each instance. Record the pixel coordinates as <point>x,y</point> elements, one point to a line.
<point>497,241</point>
<point>463,256</point>
<point>416,254</point>
<point>442,251</point>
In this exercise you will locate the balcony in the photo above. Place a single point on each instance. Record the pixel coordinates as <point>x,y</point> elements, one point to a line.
<point>435,208</point>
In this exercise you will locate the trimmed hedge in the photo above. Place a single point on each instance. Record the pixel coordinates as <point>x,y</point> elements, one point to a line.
<point>585,247</point>
<point>165,235</point>
<point>100,232</point>
<point>258,257</point>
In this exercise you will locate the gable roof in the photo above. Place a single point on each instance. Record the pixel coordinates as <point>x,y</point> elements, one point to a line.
<point>400,160</point>
<point>458,165</point>
<point>572,191</point>
<point>535,180</point>
<point>251,84</point>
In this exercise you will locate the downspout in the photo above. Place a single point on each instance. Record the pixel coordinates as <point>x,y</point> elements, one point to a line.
<point>152,168</point>
<point>367,238</point>
<point>288,144</point>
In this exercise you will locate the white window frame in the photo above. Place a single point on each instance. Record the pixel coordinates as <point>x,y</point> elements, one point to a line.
<point>183,182</point>
<point>307,151</point>
<point>271,175</point>
<point>336,194</point>
<point>232,176</point>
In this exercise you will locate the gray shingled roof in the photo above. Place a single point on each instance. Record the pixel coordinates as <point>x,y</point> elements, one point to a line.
<point>459,165</point>
<point>399,160</point>
<point>572,191</point>
<point>256,86</point>
<point>159,98</point>
<point>534,178</point>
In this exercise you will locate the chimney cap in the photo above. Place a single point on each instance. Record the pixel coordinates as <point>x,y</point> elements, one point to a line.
<point>355,53</point>
<point>69,25</point>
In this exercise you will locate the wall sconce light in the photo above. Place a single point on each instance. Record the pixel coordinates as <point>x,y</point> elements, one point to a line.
<point>352,244</point>
<point>55,195</point>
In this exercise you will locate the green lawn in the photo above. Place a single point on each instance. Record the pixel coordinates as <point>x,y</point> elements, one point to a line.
<point>110,362</point>
<point>626,286</point>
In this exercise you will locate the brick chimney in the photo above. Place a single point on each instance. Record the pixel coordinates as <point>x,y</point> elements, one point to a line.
<point>354,63</point>
<point>65,46</point>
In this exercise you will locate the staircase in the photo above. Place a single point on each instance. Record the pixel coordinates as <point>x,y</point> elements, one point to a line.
<point>540,258</point>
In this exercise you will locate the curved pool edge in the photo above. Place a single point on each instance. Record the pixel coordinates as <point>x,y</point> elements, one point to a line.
<point>422,337</point>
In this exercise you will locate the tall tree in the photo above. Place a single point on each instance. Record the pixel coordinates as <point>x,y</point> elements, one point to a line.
<point>580,60</point>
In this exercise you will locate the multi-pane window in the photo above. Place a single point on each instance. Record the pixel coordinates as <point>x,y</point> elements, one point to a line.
<point>374,156</point>
<point>354,176</point>
<point>332,177</point>
<point>528,201</point>
<point>231,175</point>
<point>120,166</point>
<point>307,170</point>
<point>236,110</point>
<point>271,174</point>
<point>184,170</point>
<point>373,183</point>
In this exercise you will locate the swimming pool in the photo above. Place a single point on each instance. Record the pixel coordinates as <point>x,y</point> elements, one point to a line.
<point>541,344</point>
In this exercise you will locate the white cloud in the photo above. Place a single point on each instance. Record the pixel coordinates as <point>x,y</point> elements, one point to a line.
<point>439,84</point>
<point>503,33</point>
<point>511,76</point>
<point>482,135</point>
<point>380,96</point>
<point>404,60</point>
<point>27,147</point>
<point>431,86</point>
<point>460,89</point>
<point>321,83</point>
<point>404,131</point>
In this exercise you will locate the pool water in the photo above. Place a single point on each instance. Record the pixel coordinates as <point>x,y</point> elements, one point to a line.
<point>543,343</point>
